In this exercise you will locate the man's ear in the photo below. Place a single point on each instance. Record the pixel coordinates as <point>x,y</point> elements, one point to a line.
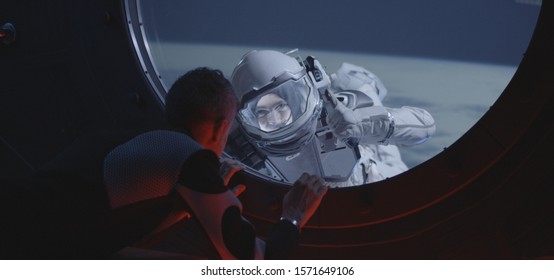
<point>220,129</point>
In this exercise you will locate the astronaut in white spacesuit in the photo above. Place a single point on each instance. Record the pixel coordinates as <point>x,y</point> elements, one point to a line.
<point>336,125</point>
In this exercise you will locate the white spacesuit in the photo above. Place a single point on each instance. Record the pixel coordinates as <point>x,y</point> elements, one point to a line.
<point>335,126</point>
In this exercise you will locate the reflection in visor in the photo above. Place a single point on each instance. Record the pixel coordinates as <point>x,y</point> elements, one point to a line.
<point>278,107</point>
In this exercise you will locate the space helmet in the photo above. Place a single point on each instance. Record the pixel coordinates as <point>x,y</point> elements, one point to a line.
<point>279,105</point>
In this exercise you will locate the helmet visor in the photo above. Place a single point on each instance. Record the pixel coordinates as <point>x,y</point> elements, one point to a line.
<point>276,108</point>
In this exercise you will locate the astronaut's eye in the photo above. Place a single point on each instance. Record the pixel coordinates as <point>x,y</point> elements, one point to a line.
<point>282,107</point>
<point>261,113</point>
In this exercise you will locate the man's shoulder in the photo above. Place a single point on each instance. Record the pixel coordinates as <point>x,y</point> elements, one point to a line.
<point>163,139</point>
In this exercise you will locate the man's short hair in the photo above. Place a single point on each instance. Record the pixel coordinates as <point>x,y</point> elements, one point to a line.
<point>202,94</point>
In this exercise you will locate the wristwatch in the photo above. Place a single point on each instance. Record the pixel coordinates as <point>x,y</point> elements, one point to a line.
<point>292,221</point>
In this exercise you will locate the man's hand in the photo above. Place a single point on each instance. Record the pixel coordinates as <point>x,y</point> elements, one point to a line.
<point>301,202</point>
<point>227,169</point>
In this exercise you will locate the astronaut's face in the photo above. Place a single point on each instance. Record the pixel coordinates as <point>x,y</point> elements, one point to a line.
<point>272,112</point>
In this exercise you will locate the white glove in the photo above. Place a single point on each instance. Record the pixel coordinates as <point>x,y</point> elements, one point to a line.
<point>370,124</point>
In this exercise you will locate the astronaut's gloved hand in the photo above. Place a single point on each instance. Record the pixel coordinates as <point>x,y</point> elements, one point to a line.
<point>373,124</point>
<point>342,120</point>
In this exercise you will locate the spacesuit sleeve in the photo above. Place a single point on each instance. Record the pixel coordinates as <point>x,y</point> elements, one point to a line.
<point>377,124</point>
<point>352,77</point>
<point>412,126</point>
